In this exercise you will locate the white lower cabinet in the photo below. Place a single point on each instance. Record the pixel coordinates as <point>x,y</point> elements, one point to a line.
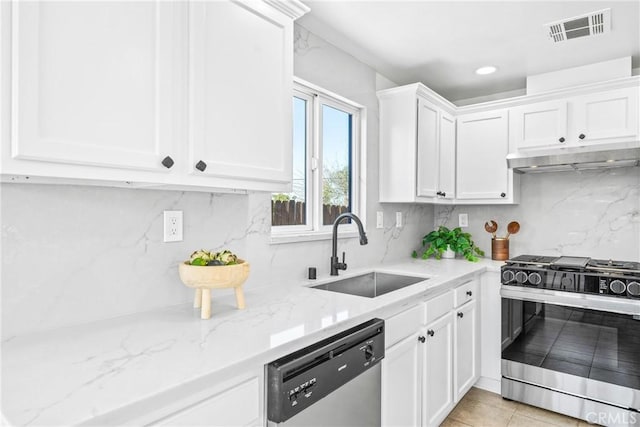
<point>466,364</point>
<point>401,373</point>
<point>438,365</point>
<point>427,372</point>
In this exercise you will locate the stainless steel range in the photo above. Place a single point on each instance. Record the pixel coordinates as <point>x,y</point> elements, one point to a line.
<point>571,336</point>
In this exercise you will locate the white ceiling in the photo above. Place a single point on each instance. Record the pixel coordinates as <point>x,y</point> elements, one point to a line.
<point>442,43</point>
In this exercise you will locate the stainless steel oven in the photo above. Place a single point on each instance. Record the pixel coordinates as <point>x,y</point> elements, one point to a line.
<point>572,353</point>
<point>571,336</point>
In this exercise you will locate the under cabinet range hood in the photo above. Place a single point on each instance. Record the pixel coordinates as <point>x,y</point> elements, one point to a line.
<point>576,158</point>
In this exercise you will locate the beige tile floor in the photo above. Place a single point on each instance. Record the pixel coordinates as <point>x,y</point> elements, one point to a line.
<point>480,408</point>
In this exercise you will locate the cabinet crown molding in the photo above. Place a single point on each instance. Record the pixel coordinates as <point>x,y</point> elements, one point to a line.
<point>292,8</point>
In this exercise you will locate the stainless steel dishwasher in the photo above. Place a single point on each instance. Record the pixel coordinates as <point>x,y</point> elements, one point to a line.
<point>335,382</point>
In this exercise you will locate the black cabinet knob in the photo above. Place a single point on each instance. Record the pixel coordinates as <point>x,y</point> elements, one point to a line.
<point>561,139</point>
<point>430,332</point>
<point>201,166</point>
<point>469,293</point>
<point>438,193</point>
<point>460,314</point>
<point>503,195</point>
<point>444,194</point>
<point>582,136</point>
<point>167,162</point>
<point>421,338</point>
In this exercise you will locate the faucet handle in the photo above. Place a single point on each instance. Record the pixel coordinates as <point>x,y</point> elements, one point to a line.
<point>343,264</point>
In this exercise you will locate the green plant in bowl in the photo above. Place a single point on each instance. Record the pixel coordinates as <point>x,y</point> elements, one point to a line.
<point>438,241</point>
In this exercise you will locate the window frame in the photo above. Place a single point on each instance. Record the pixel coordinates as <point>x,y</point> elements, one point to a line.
<point>316,97</point>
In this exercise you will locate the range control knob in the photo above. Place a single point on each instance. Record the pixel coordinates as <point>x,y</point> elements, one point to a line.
<point>535,278</point>
<point>368,352</point>
<point>633,289</point>
<point>508,276</point>
<point>617,286</point>
<point>567,283</point>
<point>521,277</point>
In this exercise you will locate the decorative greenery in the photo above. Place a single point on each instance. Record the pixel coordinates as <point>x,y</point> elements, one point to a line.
<point>437,241</point>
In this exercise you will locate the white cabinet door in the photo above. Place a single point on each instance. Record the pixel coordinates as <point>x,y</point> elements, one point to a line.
<point>438,376</point>
<point>543,124</point>
<point>447,154</point>
<point>401,373</point>
<point>427,149</point>
<point>483,144</point>
<point>610,116</point>
<point>240,91</point>
<point>93,83</point>
<point>465,368</point>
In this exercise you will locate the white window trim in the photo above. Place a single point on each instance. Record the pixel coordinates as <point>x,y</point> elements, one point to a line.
<point>314,230</point>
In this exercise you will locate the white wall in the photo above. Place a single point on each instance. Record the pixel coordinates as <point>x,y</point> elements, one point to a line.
<point>590,213</point>
<point>75,254</point>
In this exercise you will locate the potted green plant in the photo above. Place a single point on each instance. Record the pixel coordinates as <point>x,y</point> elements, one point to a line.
<point>438,241</point>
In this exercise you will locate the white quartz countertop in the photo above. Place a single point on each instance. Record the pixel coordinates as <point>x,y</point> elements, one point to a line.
<point>75,374</point>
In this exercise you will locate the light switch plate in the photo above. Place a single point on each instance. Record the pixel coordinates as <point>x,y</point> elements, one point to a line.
<point>173,226</point>
<point>379,219</point>
<point>398,219</point>
<point>463,220</point>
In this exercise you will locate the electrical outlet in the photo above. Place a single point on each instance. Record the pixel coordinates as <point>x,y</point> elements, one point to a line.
<point>463,220</point>
<point>398,219</point>
<point>379,219</point>
<point>173,226</point>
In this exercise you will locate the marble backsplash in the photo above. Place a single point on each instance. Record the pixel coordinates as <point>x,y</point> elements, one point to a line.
<point>74,254</point>
<point>589,213</point>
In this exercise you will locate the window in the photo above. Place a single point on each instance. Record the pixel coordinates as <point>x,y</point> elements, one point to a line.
<point>327,159</point>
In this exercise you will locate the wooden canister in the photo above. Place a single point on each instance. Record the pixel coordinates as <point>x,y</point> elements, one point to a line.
<point>499,248</point>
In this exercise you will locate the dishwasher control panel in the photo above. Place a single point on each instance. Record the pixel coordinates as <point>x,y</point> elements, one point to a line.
<point>300,379</point>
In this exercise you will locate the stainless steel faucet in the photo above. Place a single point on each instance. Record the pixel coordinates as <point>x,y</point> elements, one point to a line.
<point>335,264</point>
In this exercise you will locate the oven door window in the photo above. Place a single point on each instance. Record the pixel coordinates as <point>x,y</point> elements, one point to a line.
<point>591,344</point>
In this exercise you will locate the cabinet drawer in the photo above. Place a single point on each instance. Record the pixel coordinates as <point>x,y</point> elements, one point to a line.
<point>437,307</point>
<point>237,406</point>
<point>466,292</point>
<point>402,325</point>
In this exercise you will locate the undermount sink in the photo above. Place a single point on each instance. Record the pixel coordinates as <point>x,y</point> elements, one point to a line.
<point>370,285</point>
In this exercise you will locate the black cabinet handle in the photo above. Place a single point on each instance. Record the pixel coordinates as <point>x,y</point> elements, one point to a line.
<point>469,293</point>
<point>460,314</point>
<point>430,332</point>
<point>201,166</point>
<point>167,162</point>
<point>438,193</point>
<point>503,195</point>
<point>582,136</point>
<point>421,338</point>
<point>561,139</point>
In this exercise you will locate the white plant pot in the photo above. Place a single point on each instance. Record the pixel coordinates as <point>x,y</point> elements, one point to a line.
<point>448,253</point>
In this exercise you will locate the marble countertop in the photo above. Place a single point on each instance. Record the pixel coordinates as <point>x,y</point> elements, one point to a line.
<point>75,374</point>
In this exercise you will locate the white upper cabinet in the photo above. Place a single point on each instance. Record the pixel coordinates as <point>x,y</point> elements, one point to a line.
<point>610,116</point>
<point>542,124</point>
<point>595,118</point>
<point>483,144</point>
<point>193,95</point>
<point>241,87</point>
<point>428,156</point>
<point>417,146</point>
<point>92,83</point>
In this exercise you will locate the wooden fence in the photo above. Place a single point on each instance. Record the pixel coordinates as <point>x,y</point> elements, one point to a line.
<point>294,213</point>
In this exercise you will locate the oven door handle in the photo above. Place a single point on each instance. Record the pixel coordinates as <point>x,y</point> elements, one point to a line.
<point>571,299</point>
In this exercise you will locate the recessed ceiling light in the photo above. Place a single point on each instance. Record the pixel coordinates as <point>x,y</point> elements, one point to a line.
<point>486,70</point>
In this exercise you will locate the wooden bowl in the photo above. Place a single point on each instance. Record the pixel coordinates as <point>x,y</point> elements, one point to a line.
<point>205,278</point>
<point>214,276</point>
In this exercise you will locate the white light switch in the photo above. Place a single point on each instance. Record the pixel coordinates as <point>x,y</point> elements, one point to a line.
<point>173,226</point>
<point>398,219</point>
<point>463,220</point>
<point>379,219</point>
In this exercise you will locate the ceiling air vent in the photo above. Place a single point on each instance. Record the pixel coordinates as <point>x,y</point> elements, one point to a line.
<point>589,24</point>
